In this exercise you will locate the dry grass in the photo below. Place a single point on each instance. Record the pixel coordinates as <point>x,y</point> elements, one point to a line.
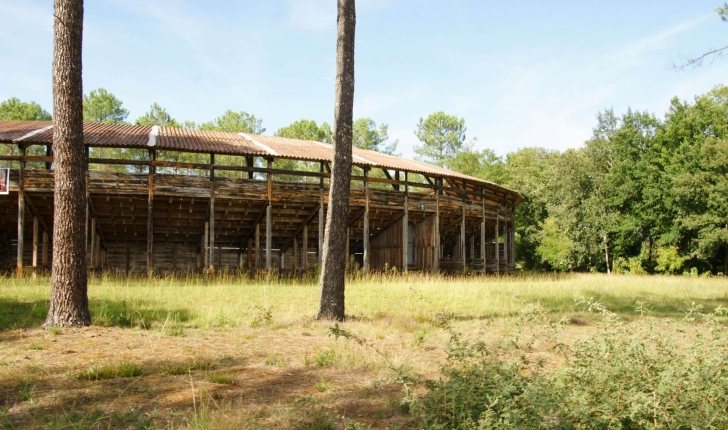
<point>241,353</point>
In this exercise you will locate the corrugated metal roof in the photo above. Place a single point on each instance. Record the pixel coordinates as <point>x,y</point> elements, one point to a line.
<point>180,139</point>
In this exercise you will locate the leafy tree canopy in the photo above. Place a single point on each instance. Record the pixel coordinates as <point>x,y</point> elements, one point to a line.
<point>306,130</point>
<point>368,136</point>
<point>13,109</point>
<point>157,115</point>
<point>102,106</point>
<point>442,137</point>
<point>235,122</point>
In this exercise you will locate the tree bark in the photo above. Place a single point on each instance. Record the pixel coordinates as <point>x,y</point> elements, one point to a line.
<point>331,305</point>
<point>69,299</point>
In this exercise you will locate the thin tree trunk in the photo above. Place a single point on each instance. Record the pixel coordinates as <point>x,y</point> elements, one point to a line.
<point>333,271</point>
<point>606,254</point>
<point>69,300</point>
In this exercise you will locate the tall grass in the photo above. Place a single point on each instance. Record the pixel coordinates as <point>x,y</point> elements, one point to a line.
<point>230,300</point>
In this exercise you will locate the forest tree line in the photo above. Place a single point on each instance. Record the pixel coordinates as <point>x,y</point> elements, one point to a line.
<point>643,195</point>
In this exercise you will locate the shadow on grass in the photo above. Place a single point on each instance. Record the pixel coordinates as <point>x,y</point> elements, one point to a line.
<point>16,314</point>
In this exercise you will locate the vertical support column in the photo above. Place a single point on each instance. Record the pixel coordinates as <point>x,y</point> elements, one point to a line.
<point>405,227</point>
<point>211,236</point>
<point>206,245</point>
<point>97,251</point>
<point>462,239</point>
<point>365,237</point>
<point>21,212</point>
<point>35,244</point>
<point>269,219</point>
<point>257,246</point>
<point>304,249</point>
<point>348,251</point>
<point>497,244</point>
<point>128,257</point>
<point>44,253</point>
<point>506,256</point>
<point>483,249</point>
<point>436,239</point>
<point>472,248</point>
<point>295,254</point>
<point>93,242</point>
<point>513,239</point>
<point>250,254</point>
<point>150,215</point>
<point>49,153</point>
<point>321,220</point>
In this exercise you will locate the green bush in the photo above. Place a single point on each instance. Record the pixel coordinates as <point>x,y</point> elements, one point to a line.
<point>628,376</point>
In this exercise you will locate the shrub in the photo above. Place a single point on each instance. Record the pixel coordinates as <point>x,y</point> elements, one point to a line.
<point>625,376</point>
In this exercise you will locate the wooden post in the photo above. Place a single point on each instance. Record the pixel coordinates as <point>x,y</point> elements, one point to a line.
<point>269,219</point>
<point>250,254</point>
<point>505,241</point>
<point>212,215</point>
<point>472,248</point>
<point>257,246</point>
<point>21,212</point>
<point>497,245</point>
<point>93,243</point>
<point>321,220</point>
<point>483,249</point>
<point>150,215</point>
<point>97,251</point>
<point>44,253</point>
<point>295,254</point>
<point>405,228</point>
<point>436,233</point>
<point>462,239</point>
<point>127,260</point>
<point>35,243</point>
<point>174,257</point>
<point>304,250</point>
<point>49,153</point>
<point>365,235</point>
<point>206,245</point>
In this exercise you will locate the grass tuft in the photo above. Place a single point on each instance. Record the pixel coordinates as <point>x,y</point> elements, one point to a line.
<point>110,371</point>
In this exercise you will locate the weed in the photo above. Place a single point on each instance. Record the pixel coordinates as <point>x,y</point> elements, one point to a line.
<point>221,378</point>
<point>182,368</point>
<point>109,371</point>
<point>36,346</point>
<point>274,359</point>
<point>261,317</point>
<point>325,357</point>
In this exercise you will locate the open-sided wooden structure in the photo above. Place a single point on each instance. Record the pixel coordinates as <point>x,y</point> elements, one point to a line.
<point>170,199</point>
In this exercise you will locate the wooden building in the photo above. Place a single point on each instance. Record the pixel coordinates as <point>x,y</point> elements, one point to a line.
<point>175,200</point>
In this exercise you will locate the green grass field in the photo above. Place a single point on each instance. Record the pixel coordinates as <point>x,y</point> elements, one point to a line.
<point>247,353</point>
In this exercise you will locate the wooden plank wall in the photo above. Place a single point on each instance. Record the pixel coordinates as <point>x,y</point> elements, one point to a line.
<point>424,242</point>
<point>386,249</point>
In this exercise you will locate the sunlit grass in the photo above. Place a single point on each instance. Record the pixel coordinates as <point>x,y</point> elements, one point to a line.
<point>232,301</point>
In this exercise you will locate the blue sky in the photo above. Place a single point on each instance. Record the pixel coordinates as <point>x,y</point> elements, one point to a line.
<point>522,73</point>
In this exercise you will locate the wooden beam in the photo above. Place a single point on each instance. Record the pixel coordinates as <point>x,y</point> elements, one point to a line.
<point>304,248</point>
<point>436,245</point>
<point>405,228</point>
<point>211,267</point>
<point>93,242</point>
<point>497,246</point>
<point>269,220</point>
<point>319,255</point>
<point>366,243</point>
<point>258,218</point>
<point>357,215</point>
<point>21,214</point>
<point>44,253</point>
<point>483,249</point>
<point>462,240</point>
<point>150,215</point>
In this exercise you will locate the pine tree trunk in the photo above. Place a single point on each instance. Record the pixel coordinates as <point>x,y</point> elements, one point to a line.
<point>69,300</point>
<point>333,271</point>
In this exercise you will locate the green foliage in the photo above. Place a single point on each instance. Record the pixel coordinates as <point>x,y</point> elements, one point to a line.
<point>669,260</point>
<point>109,371</point>
<point>624,376</point>
<point>235,122</point>
<point>442,137</point>
<point>306,130</point>
<point>102,106</point>
<point>157,115</point>
<point>13,109</point>
<point>554,247</point>
<point>366,135</point>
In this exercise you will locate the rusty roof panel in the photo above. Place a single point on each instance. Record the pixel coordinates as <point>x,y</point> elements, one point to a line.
<point>180,139</point>
<point>13,130</point>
